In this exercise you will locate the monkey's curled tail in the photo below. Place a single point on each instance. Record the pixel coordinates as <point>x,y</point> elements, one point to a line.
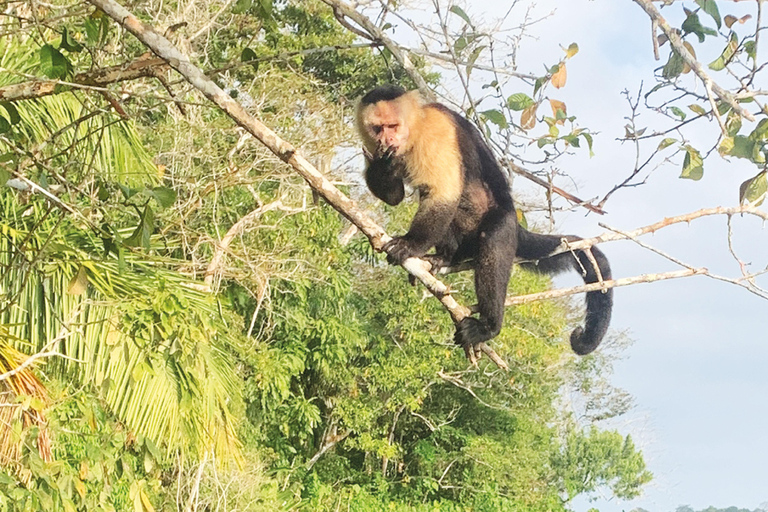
<point>536,249</point>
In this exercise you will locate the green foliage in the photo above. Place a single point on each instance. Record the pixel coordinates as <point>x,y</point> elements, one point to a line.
<point>330,369</point>
<point>97,464</point>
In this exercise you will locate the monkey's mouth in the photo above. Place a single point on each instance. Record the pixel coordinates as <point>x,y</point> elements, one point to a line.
<point>388,152</point>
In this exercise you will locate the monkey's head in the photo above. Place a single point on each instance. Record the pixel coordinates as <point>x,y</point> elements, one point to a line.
<point>385,117</point>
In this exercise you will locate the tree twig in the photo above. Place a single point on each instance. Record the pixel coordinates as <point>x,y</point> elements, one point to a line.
<point>139,68</point>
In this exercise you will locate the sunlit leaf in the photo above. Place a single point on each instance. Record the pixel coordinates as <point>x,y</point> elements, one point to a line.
<point>559,110</point>
<point>559,77</point>
<point>697,109</point>
<point>79,282</point>
<point>733,123</point>
<point>727,54</point>
<point>528,117</point>
<point>572,50</point>
<point>496,117</point>
<point>664,144</point>
<point>693,164</point>
<point>519,101</point>
<point>753,191</point>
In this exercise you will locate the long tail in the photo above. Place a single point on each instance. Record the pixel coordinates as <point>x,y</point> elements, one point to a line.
<point>536,248</point>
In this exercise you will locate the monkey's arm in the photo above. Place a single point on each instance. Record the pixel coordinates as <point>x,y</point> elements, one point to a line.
<point>384,179</point>
<point>428,228</point>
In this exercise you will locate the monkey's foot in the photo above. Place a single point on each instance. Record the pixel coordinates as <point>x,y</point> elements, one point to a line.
<point>471,334</point>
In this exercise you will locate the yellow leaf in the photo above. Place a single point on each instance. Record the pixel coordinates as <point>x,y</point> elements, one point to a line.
<point>559,77</point>
<point>528,117</point>
<point>145,502</point>
<point>78,283</point>
<point>572,50</point>
<point>80,488</point>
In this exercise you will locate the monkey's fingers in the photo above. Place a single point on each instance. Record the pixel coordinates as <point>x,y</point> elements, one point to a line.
<point>492,355</point>
<point>469,352</point>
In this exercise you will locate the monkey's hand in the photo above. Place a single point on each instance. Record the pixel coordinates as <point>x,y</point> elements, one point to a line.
<point>400,249</point>
<point>435,264</point>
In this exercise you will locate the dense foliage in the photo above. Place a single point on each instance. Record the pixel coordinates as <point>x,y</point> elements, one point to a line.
<point>211,339</point>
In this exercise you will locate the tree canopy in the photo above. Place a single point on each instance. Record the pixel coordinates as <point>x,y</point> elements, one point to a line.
<point>186,323</point>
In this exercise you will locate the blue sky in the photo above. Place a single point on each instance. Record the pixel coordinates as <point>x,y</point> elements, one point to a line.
<point>698,366</point>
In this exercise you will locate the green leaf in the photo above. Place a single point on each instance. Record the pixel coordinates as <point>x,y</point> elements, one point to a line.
<point>496,117</point>
<point>13,114</point>
<point>4,176</point>
<point>242,6</point>
<point>728,53</point>
<point>750,47</point>
<point>141,235</point>
<point>572,50</point>
<point>693,164</point>
<point>96,28</point>
<point>519,101</point>
<point>5,126</point>
<point>710,7</point>
<point>733,123</point>
<point>664,144</point>
<point>760,132</point>
<point>164,196</point>
<point>697,109</point>
<point>678,112</point>
<point>674,66</point>
<point>753,191</point>
<point>458,11</point>
<point>250,57</point>
<point>692,25</point>
<point>53,63</point>
<point>588,137</point>
<point>68,43</point>
<point>473,58</point>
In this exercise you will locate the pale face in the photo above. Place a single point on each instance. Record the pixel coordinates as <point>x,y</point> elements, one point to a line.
<point>385,127</point>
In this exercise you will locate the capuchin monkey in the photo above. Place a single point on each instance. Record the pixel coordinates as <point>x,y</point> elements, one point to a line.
<point>465,209</point>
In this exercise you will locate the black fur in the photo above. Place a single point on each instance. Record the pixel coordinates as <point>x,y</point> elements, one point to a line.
<point>482,226</point>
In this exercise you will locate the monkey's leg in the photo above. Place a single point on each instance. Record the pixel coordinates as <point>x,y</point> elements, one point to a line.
<point>493,265</point>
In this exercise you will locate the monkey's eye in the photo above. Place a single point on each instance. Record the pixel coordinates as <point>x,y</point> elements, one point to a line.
<point>376,129</point>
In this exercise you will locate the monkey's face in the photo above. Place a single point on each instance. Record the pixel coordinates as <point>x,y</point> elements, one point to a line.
<point>385,127</point>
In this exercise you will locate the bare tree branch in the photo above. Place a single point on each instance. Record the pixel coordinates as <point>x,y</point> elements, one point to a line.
<point>139,68</point>
<point>602,285</point>
<point>343,10</point>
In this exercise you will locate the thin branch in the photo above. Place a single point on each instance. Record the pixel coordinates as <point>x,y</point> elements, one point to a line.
<point>64,333</point>
<point>139,68</point>
<point>603,285</point>
<point>236,229</point>
<point>343,10</point>
<point>677,43</point>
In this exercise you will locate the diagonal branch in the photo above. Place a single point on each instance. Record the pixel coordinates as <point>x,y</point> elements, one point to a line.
<point>287,153</point>
<point>343,12</point>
